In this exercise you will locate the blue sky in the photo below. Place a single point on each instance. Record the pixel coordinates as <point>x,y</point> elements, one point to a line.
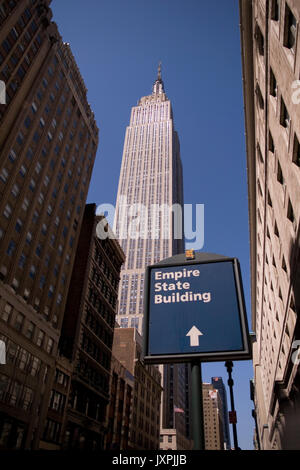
<point>117,45</point>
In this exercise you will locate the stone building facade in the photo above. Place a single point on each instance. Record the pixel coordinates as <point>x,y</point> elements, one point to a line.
<point>270,38</point>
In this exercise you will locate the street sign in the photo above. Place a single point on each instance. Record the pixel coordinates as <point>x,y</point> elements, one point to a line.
<point>194,309</point>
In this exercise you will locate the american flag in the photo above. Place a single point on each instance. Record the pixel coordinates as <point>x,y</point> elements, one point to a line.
<point>178,410</point>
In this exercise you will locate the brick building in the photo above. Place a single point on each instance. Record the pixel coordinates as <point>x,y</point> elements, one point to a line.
<point>144,425</point>
<point>87,333</point>
<point>120,407</point>
<point>48,143</point>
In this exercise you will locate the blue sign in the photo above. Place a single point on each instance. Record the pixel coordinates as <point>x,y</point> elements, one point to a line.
<point>195,309</point>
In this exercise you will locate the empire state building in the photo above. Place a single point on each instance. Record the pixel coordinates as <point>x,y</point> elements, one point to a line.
<point>148,228</point>
<point>150,184</point>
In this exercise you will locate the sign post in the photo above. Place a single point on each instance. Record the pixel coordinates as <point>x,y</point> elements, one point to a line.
<point>194,311</point>
<point>197,407</point>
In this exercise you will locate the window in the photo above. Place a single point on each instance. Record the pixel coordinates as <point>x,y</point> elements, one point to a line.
<point>27,122</point>
<point>6,312</point>
<point>7,211</point>
<point>32,185</point>
<point>260,156</point>
<point>4,175</point>
<point>19,321</point>
<point>40,338</point>
<point>284,115</point>
<point>32,272</point>
<point>30,330</point>
<point>273,84</point>
<point>42,281</point>
<point>36,137</point>
<point>22,260</point>
<point>290,212</point>
<point>11,248</point>
<point>259,40</point>
<point>259,96</point>
<point>52,431</point>
<point>38,250</point>
<point>35,368</point>
<point>23,171</point>
<point>27,398</point>
<point>61,378</point>
<point>284,264</point>
<point>15,190</point>
<point>269,200</point>
<point>290,27</point>
<point>12,156</point>
<point>124,322</point>
<point>50,345</point>
<point>50,292</point>
<point>271,143</point>
<point>279,174</point>
<point>296,151</point>
<point>18,226</point>
<point>275,10</point>
<point>28,238</point>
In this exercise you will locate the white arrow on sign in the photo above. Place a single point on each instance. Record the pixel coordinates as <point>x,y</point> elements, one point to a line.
<point>194,334</point>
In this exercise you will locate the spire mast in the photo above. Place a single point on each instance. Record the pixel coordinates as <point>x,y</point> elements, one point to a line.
<point>158,86</point>
<point>159,71</point>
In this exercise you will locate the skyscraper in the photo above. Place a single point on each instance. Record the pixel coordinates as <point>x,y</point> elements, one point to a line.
<point>213,418</point>
<point>151,175</point>
<point>48,143</point>
<point>150,184</point>
<point>271,64</point>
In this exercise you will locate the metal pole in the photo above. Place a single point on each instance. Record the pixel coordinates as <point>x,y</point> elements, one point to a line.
<point>229,366</point>
<point>256,429</point>
<point>197,407</point>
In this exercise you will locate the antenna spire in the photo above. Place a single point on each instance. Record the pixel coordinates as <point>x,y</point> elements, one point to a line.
<point>158,87</point>
<point>159,71</point>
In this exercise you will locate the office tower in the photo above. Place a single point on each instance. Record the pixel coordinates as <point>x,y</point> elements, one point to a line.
<point>217,383</point>
<point>87,336</point>
<point>48,142</point>
<point>143,428</point>
<point>150,179</point>
<point>213,418</point>
<point>151,174</point>
<point>271,66</point>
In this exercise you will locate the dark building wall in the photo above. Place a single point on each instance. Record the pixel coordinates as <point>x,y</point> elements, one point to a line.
<point>73,311</point>
<point>144,422</point>
<point>87,334</point>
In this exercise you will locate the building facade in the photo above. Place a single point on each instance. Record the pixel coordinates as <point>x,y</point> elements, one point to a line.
<point>119,411</point>
<point>213,418</point>
<point>270,39</point>
<point>48,143</point>
<point>144,423</point>
<point>151,176</point>
<point>218,384</point>
<point>87,334</point>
